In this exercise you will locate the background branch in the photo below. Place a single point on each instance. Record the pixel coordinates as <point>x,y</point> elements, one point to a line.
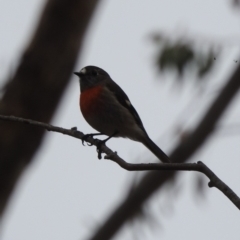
<point>38,84</point>
<point>151,182</point>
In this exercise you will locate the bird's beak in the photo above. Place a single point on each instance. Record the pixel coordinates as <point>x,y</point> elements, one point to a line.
<point>77,73</point>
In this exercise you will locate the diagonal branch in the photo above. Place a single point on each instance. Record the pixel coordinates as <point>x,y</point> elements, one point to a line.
<point>38,84</point>
<point>152,181</point>
<point>197,167</point>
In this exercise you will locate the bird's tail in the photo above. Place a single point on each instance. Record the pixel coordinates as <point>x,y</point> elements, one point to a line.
<point>156,150</point>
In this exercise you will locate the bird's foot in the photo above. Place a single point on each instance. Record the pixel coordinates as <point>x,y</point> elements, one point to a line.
<point>101,142</point>
<point>99,147</point>
<point>85,137</point>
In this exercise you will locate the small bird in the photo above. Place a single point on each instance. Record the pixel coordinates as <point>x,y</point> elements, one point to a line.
<point>107,108</point>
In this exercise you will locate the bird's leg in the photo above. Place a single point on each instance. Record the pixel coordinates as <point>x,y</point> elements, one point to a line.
<point>85,137</point>
<point>101,142</point>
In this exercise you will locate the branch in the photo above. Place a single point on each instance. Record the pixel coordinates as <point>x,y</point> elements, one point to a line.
<point>197,167</point>
<point>38,84</point>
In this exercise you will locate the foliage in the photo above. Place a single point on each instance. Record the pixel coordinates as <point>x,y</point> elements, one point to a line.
<point>183,55</point>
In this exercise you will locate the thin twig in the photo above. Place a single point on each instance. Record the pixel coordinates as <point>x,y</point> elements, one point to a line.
<point>197,167</point>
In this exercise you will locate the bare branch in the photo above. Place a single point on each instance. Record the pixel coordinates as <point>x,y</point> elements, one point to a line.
<point>71,132</point>
<point>197,167</point>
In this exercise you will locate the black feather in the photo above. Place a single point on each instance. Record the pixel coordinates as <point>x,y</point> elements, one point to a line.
<point>123,99</point>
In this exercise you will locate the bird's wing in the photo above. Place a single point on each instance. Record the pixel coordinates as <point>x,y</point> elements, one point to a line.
<point>125,102</point>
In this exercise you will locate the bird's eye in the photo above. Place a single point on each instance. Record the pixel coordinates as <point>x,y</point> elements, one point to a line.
<point>94,73</point>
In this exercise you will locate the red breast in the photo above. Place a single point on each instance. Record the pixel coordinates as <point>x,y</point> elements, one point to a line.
<point>89,100</point>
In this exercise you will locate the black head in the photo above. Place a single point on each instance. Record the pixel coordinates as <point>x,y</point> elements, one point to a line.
<point>91,76</point>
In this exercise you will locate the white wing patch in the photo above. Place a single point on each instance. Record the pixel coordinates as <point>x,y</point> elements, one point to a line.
<point>128,103</point>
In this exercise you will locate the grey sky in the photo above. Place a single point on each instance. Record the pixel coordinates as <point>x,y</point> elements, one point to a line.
<point>68,192</point>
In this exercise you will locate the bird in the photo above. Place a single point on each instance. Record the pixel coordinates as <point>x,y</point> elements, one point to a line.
<point>107,108</point>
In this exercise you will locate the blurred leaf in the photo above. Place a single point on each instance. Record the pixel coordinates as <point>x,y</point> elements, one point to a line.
<point>184,55</point>
<point>157,37</point>
<point>206,64</point>
<point>175,56</point>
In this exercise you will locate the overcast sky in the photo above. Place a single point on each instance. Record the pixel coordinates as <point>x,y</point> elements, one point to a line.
<point>67,192</point>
